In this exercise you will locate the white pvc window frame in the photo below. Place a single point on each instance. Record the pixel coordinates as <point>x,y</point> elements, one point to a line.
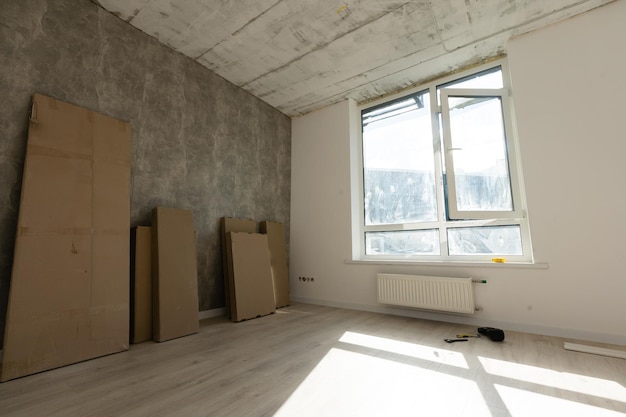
<point>516,217</point>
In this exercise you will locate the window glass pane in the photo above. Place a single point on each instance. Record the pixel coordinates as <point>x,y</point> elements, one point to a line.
<point>488,79</point>
<point>485,240</point>
<point>398,162</point>
<point>481,170</point>
<point>422,242</point>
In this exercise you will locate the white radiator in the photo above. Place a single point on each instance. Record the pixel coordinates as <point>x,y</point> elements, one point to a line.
<point>430,293</point>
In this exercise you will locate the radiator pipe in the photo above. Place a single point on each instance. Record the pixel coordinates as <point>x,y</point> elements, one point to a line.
<point>479,281</point>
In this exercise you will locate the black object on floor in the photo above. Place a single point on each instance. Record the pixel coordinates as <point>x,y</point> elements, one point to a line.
<point>492,333</point>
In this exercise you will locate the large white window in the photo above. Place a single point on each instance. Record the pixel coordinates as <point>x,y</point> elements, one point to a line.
<point>441,177</point>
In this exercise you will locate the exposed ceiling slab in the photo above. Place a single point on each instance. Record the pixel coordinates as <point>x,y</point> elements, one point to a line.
<point>299,56</point>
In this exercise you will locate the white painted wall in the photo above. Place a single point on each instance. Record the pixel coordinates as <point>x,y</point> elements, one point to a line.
<point>569,89</point>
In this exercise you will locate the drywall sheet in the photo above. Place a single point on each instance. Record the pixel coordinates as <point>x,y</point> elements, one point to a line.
<point>69,299</point>
<point>227,225</point>
<point>174,274</point>
<point>278,259</point>
<point>249,255</point>
<point>141,284</point>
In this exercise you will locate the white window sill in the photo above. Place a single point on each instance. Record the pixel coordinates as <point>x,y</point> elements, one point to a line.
<point>477,264</point>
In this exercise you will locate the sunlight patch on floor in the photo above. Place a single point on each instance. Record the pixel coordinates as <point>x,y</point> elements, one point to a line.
<point>561,380</point>
<point>350,384</point>
<point>362,377</point>
<point>412,350</point>
<point>521,403</point>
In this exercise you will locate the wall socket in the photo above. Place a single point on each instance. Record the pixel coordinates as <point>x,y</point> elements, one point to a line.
<point>306,279</point>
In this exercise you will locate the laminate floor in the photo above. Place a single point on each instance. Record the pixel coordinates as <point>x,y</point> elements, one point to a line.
<point>308,360</point>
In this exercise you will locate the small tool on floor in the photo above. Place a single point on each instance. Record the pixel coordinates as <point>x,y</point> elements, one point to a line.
<point>466,335</point>
<point>454,340</point>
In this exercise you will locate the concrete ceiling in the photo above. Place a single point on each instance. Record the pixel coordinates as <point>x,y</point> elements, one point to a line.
<point>301,55</point>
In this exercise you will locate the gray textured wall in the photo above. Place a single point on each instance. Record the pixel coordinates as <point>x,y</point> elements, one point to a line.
<point>199,142</point>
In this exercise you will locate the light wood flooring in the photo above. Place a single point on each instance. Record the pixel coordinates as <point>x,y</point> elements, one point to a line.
<point>317,361</point>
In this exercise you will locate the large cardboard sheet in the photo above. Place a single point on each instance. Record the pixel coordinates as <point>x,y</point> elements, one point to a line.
<point>227,225</point>
<point>278,258</point>
<point>249,255</point>
<point>69,294</point>
<point>175,274</point>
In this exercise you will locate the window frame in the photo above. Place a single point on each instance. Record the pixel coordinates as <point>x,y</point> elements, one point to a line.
<point>517,217</point>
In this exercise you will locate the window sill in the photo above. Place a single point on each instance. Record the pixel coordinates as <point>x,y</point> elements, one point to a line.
<point>477,264</point>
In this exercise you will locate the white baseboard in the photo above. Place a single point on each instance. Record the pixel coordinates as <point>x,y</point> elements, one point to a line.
<point>207,314</point>
<point>595,350</point>
<point>473,321</point>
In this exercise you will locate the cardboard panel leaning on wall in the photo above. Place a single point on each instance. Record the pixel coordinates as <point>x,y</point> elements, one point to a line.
<point>249,256</point>
<point>69,299</point>
<point>141,284</point>
<point>278,258</point>
<point>174,274</point>
<point>229,224</point>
